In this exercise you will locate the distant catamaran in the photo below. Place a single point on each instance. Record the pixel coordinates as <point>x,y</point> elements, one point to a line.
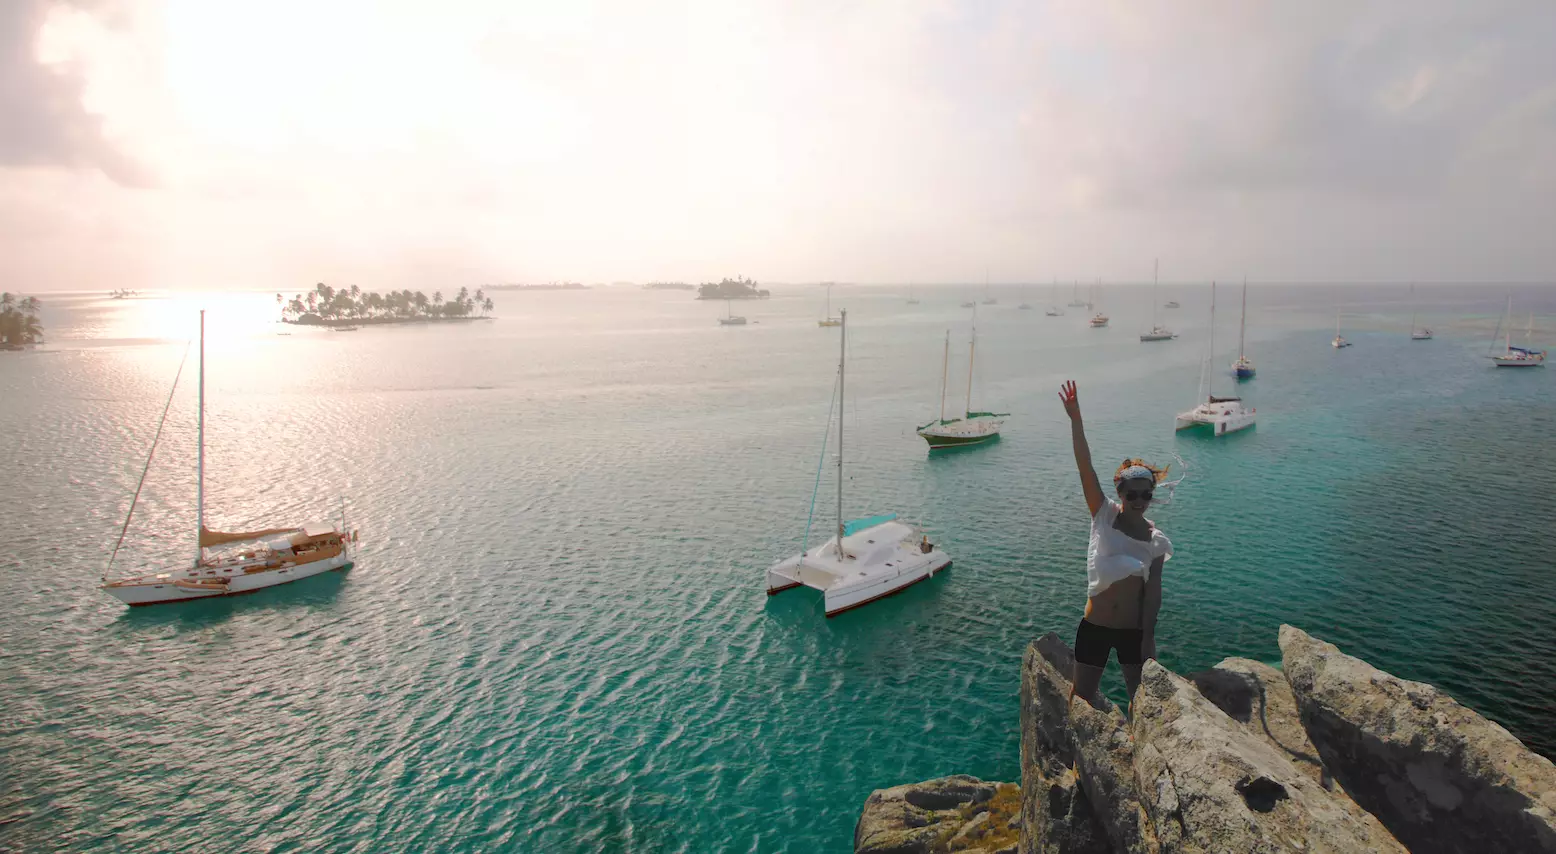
<point>1222,415</point>
<point>973,428</point>
<point>249,560</point>
<point>867,558</point>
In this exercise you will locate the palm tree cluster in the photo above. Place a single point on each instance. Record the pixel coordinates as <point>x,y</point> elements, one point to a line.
<point>325,303</point>
<point>19,324</point>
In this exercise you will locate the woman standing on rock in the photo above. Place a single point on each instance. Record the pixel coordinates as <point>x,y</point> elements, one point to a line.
<point>1123,568</point>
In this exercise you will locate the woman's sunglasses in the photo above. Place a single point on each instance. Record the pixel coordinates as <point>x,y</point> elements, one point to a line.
<point>1132,495</point>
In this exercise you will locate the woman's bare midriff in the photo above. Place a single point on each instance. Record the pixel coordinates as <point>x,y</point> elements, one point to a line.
<point>1117,607</point>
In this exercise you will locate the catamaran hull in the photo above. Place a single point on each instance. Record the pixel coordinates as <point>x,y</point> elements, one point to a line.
<point>840,598</point>
<point>164,591</point>
<point>1219,427</point>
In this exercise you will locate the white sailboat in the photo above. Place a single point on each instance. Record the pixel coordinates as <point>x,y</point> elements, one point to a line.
<point>1075,298</point>
<point>1158,332</point>
<point>972,428</point>
<point>1222,415</point>
<point>988,299</point>
<point>226,563</point>
<point>730,318</point>
<point>1243,367</point>
<point>1339,340</point>
<point>1422,334</point>
<point>912,300</point>
<point>1518,357</point>
<point>865,559</point>
<point>1053,309</point>
<point>827,319</point>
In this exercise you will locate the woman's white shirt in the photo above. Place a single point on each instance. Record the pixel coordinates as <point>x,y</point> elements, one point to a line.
<point>1113,555</point>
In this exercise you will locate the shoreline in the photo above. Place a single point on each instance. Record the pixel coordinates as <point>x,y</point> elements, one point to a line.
<point>380,321</point>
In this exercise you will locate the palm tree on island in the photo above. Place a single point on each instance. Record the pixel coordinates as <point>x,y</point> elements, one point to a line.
<point>329,306</point>
<point>19,324</point>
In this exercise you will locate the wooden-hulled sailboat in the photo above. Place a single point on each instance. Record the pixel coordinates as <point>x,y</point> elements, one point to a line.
<point>227,563</point>
<point>867,558</point>
<point>972,428</point>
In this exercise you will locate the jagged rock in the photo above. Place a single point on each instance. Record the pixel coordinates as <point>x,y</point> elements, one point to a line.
<point>1256,695</point>
<point>1211,786</point>
<point>1103,812</point>
<point>1440,776</point>
<point>956,813</point>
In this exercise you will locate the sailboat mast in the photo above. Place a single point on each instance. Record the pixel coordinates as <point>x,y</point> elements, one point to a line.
<point>200,457</point>
<point>842,360</point>
<point>1155,270</point>
<point>1211,384</point>
<point>1412,308</point>
<point>1242,325</point>
<point>945,373</point>
<point>972,355</point>
<point>829,303</point>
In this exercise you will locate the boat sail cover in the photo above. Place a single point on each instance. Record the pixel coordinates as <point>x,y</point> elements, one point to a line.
<point>211,539</point>
<point>857,525</point>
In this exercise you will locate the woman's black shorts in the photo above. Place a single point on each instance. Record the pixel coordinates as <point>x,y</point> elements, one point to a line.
<point>1093,642</point>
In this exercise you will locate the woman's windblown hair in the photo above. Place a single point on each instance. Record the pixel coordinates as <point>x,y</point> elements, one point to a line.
<point>1158,475</point>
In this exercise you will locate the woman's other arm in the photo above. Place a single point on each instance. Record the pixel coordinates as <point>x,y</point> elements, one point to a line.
<point>1150,608</point>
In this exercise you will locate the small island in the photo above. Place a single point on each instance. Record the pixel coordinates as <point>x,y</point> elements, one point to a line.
<point>736,288</point>
<point>19,324</point>
<point>669,286</point>
<point>349,307</point>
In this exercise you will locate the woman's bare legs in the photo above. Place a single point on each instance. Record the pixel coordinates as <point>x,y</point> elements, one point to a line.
<point>1087,678</point>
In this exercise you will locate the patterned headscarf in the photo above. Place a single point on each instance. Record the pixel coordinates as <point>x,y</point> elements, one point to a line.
<point>1135,473</point>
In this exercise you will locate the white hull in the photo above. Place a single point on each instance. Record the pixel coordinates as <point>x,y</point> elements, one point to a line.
<point>163,587</point>
<point>1420,336</point>
<point>732,321</point>
<point>1501,362</point>
<point>1158,336</point>
<point>1221,416</point>
<point>1339,342</point>
<point>963,431</point>
<point>880,561</point>
<point>1098,322</point>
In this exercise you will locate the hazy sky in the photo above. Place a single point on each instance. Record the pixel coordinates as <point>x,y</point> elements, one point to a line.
<point>188,143</point>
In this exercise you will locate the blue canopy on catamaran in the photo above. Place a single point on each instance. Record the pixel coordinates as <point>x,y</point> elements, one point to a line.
<point>857,525</point>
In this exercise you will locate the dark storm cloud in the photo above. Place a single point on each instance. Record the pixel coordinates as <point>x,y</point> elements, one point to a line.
<point>42,121</point>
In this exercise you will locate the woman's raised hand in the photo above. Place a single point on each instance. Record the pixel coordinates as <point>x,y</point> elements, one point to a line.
<point>1072,403</point>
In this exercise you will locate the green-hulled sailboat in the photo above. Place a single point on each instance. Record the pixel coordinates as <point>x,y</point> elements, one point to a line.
<point>973,428</point>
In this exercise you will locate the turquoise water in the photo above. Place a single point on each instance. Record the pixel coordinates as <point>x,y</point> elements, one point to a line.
<point>556,636</point>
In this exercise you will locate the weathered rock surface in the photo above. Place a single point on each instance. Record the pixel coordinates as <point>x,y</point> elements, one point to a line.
<point>1056,811</point>
<point>1256,695</point>
<point>1437,774</point>
<point>1210,785</point>
<point>957,813</point>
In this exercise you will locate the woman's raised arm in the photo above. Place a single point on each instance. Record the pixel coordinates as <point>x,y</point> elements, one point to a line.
<point>1089,483</point>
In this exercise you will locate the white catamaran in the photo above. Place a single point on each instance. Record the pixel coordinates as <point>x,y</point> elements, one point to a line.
<point>867,558</point>
<point>1158,332</point>
<point>973,428</point>
<point>1222,415</point>
<point>238,562</point>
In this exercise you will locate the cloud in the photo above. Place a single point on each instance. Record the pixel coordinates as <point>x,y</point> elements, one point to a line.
<point>45,123</point>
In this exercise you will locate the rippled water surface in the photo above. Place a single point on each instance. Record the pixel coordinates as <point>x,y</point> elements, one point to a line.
<point>556,636</point>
